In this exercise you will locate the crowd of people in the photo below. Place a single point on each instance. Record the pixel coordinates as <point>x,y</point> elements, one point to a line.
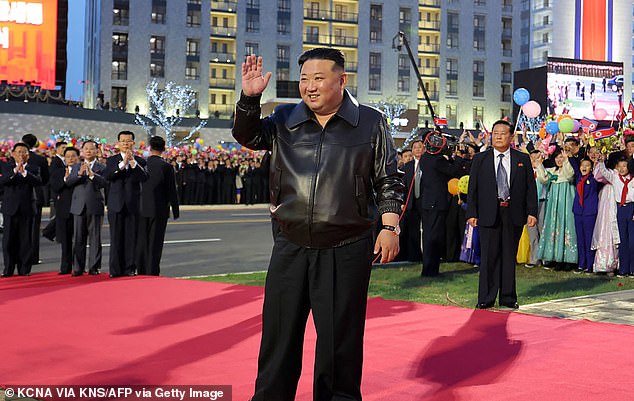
<point>585,205</point>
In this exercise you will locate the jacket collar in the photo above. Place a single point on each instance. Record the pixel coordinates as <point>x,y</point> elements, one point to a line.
<point>349,112</point>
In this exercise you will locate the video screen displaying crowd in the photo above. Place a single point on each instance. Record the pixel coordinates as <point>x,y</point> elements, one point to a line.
<point>585,191</point>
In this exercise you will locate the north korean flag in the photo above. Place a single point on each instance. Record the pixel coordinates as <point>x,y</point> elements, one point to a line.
<point>630,108</point>
<point>621,115</point>
<point>603,133</point>
<point>440,121</point>
<point>588,123</point>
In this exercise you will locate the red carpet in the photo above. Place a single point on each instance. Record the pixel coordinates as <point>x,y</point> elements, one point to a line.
<point>150,330</point>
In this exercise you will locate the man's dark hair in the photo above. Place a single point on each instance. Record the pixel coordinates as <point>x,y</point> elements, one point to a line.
<point>89,141</point>
<point>503,122</point>
<point>628,138</point>
<point>125,133</point>
<point>157,143</point>
<point>18,144</point>
<point>323,53</point>
<point>60,143</point>
<point>621,159</point>
<point>532,152</point>
<point>71,149</point>
<point>417,139</point>
<point>29,140</point>
<point>573,140</point>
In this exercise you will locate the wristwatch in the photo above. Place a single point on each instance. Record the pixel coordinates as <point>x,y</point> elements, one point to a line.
<point>396,230</point>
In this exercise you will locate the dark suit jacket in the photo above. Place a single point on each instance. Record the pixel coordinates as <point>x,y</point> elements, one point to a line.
<point>437,171</point>
<point>408,177</point>
<point>63,191</point>
<point>482,198</point>
<point>18,190</point>
<point>42,165</point>
<point>56,163</point>
<point>87,193</point>
<point>125,185</point>
<point>159,191</point>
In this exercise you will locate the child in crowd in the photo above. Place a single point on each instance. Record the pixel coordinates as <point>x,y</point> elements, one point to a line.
<point>623,196</point>
<point>585,208</point>
<point>558,241</point>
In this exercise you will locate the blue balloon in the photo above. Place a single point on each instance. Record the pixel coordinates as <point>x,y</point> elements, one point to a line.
<point>521,96</point>
<point>552,127</point>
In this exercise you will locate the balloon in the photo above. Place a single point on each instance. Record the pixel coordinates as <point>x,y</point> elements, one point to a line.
<point>542,132</point>
<point>194,151</point>
<point>452,186</point>
<point>552,127</point>
<point>463,184</point>
<point>146,153</point>
<point>577,125</point>
<point>104,140</point>
<point>600,114</point>
<point>532,109</point>
<point>566,125</point>
<point>521,96</point>
<point>561,117</point>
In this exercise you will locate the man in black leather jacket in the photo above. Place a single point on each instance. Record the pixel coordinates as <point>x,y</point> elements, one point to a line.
<point>333,162</point>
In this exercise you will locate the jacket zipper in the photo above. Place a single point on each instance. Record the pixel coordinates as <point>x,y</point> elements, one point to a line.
<point>314,185</point>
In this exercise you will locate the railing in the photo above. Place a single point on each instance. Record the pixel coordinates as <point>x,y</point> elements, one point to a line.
<point>222,57</point>
<point>226,109</point>
<point>321,15</point>
<point>429,48</point>
<point>507,52</point>
<point>349,41</point>
<point>507,32</point>
<point>222,83</point>
<point>430,71</point>
<point>429,3</point>
<point>352,67</point>
<point>345,16</point>
<point>542,24</point>
<point>119,75</point>
<point>229,31</point>
<point>478,76</point>
<point>507,77</point>
<point>433,95</point>
<point>433,24</point>
<point>316,39</point>
<point>506,97</point>
<point>229,6</point>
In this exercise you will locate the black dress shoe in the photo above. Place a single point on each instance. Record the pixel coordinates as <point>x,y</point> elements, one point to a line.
<point>63,273</point>
<point>484,305</point>
<point>75,274</point>
<point>93,272</point>
<point>6,275</point>
<point>512,305</point>
<point>114,275</point>
<point>130,274</point>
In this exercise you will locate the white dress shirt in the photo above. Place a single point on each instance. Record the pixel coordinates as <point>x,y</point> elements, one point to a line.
<point>506,162</point>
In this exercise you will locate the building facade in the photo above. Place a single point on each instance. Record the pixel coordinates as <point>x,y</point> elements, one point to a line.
<point>466,51</point>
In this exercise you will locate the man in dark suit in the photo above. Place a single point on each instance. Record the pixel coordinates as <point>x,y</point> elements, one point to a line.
<point>87,208</point>
<point>57,162</point>
<point>437,170</point>
<point>40,199</point>
<point>125,172</point>
<point>18,178</point>
<point>63,218</point>
<point>157,194</point>
<point>502,197</point>
<point>410,238</point>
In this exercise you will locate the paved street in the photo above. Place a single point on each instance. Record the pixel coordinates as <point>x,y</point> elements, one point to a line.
<point>203,241</point>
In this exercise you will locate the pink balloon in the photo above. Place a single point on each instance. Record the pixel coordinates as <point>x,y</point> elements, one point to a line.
<point>532,109</point>
<point>600,114</point>
<point>577,125</point>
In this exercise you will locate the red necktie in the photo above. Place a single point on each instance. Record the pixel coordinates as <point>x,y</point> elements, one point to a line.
<point>580,186</point>
<point>624,192</point>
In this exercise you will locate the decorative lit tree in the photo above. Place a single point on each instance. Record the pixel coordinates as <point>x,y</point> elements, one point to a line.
<point>164,112</point>
<point>392,108</point>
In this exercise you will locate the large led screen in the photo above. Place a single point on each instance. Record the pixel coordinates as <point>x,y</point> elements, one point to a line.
<point>28,35</point>
<point>579,88</point>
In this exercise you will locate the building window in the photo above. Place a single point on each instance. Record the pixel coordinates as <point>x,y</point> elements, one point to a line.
<point>375,35</point>
<point>193,47</point>
<point>376,23</point>
<point>452,87</point>
<point>121,14</point>
<point>159,8</point>
<point>376,12</point>
<point>119,70</point>
<point>403,62</point>
<point>251,48</point>
<point>374,82</point>
<point>405,16</point>
<point>283,74</point>
<point>402,85</point>
<point>451,112</point>
<point>452,40</point>
<point>157,69</point>
<point>191,71</point>
<point>478,115</point>
<point>284,5</point>
<point>118,97</point>
<point>284,25</point>
<point>478,89</point>
<point>157,45</point>
<point>193,18</point>
<point>253,22</point>
<point>283,54</point>
<point>375,61</point>
<point>452,66</point>
<point>119,46</point>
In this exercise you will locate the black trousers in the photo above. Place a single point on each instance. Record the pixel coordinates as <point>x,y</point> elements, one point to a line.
<point>64,235</point>
<point>499,252</point>
<point>35,235</point>
<point>123,236</point>
<point>16,244</point>
<point>149,247</point>
<point>87,230</point>
<point>410,238</point>
<point>333,283</point>
<point>434,233</point>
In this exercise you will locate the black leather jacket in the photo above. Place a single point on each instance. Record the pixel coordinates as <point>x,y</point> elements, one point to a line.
<point>325,183</point>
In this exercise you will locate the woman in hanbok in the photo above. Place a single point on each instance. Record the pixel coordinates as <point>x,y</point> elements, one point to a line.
<point>558,240</point>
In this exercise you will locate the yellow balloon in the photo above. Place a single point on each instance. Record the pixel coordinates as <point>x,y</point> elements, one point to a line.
<point>463,184</point>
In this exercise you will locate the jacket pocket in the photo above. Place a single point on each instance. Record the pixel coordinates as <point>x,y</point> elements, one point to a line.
<point>276,186</point>
<point>361,195</point>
